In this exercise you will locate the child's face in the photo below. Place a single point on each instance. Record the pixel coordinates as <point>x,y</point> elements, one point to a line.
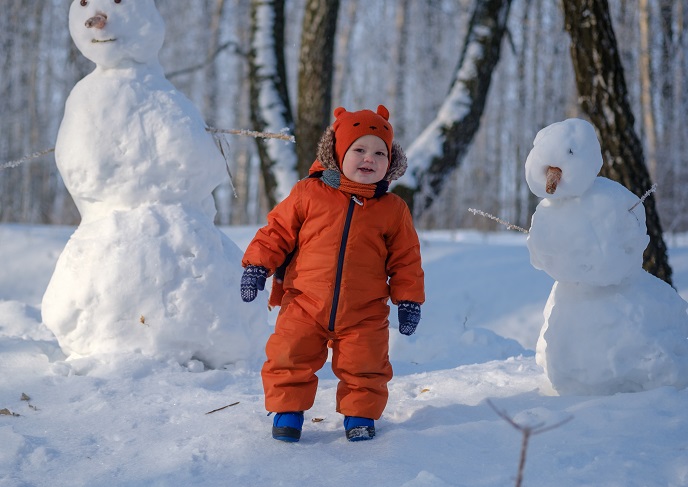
<point>366,161</point>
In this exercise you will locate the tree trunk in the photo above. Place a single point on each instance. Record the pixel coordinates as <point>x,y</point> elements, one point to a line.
<point>316,68</point>
<point>399,49</point>
<point>212,84</point>
<point>646,83</point>
<point>604,97</point>
<point>269,99</point>
<point>439,150</point>
<point>344,42</point>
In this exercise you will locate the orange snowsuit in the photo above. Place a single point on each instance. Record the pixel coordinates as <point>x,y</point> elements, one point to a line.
<point>350,256</point>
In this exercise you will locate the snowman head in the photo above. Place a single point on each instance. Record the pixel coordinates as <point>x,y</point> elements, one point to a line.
<point>565,159</point>
<point>117,33</point>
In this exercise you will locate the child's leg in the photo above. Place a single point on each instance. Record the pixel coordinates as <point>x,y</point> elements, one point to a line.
<point>360,359</point>
<point>295,352</point>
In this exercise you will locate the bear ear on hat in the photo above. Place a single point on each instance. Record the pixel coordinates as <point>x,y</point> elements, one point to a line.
<point>338,111</point>
<point>383,112</point>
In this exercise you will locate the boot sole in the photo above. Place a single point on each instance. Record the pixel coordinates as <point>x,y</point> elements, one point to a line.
<point>360,433</point>
<point>285,433</point>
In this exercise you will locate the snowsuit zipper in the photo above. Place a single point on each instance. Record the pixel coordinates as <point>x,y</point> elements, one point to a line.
<point>340,262</point>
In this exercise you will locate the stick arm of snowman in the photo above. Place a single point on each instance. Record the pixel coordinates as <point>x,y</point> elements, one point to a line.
<point>553,178</point>
<point>283,135</point>
<point>644,197</point>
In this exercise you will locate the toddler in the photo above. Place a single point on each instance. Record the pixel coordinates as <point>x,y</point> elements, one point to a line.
<point>340,247</point>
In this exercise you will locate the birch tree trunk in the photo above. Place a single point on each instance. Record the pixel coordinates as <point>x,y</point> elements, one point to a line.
<point>210,100</point>
<point>443,144</point>
<point>646,83</point>
<point>604,97</point>
<point>344,41</point>
<point>316,69</point>
<point>397,93</point>
<point>269,99</point>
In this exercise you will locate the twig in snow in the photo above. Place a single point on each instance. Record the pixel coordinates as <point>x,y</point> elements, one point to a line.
<point>25,397</point>
<point>223,407</point>
<point>644,197</point>
<point>527,432</point>
<point>508,225</point>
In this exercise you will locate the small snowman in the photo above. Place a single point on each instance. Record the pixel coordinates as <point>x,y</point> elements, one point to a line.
<point>146,270</point>
<point>609,326</point>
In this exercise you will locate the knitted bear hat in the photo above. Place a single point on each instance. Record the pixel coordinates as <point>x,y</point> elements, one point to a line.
<point>350,126</point>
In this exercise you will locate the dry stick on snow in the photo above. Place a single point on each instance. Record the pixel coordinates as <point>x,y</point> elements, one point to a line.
<point>508,225</point>
<point>25,397</point>
<point>223,407</point>
<point>527,432</point>
<point>251,133</point>
<point>644,197</point>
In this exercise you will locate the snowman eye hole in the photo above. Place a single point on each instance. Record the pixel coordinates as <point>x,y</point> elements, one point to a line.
<point>84,3</point>
<point>571,151</point>
<point>118,1</point>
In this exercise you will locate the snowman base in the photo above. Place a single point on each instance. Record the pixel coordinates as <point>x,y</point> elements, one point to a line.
<point>603,340</point>
<point>157,280</point>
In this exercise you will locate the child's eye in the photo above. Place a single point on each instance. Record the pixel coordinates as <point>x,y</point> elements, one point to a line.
<point>84,3</point>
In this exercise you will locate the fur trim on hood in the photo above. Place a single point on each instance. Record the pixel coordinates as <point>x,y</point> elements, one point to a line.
<point>397,166</point>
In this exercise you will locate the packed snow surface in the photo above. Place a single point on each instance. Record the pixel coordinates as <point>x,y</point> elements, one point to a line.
<point>131,420</point>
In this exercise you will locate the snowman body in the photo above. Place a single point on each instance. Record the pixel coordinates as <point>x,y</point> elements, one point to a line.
<point>116,114</point>
<point>146,270</point>
<point>609,326</point>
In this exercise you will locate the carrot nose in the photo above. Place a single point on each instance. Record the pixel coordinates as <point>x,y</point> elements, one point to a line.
<point>553,178</point>
<point>98,21</point>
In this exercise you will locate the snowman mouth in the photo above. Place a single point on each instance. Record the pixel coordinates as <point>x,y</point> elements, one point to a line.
<point>99,41</point>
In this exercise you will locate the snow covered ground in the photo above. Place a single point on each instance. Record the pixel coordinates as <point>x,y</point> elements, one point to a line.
<point>128,420</point>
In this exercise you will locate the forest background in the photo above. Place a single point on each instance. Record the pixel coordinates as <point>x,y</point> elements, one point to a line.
<point>400,53</point>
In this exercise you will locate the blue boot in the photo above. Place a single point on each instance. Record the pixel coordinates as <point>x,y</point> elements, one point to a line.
<point>359,429</point>
<point>287,426</point>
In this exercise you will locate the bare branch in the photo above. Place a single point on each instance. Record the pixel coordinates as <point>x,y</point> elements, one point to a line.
<point>252,133</point>
<point>527,432</point>
<point>644,197</point>
<point>208,60</point>
<point>508,225</point>
<point>223,407</point>
<point>24,159</point>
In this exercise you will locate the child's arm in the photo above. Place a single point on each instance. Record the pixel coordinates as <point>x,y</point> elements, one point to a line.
<point>272,243</point>
<point>406,277</point>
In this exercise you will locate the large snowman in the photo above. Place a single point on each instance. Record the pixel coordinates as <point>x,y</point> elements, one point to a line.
<point>609,326</point>
<point>146,270</point>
